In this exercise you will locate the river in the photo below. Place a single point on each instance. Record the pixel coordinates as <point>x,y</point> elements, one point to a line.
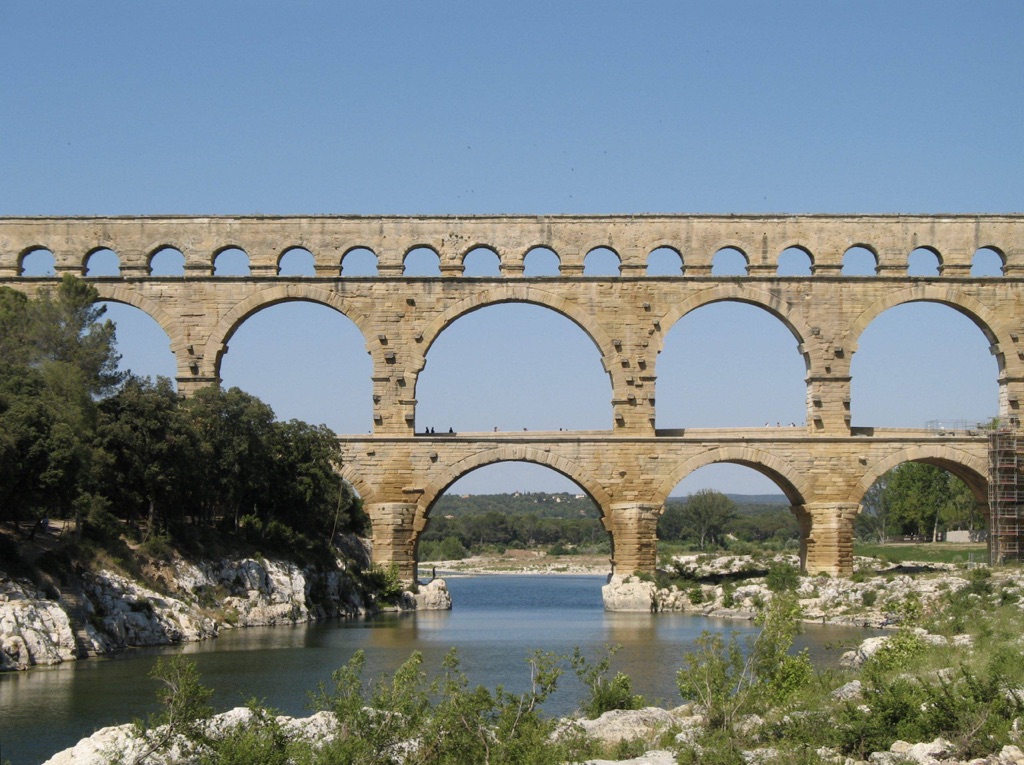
<point>497,621</point>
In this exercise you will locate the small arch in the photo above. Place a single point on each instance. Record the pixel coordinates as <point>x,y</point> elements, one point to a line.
<point>601,261</point>
<point>296,261</point>
<point>987,262</point>
<point>359,261</point>
<point>102,262</point>
<point>923,261</point>
<point>481,262</point>
<point>231,261</point>
<point>421,261</point>
<point>167,261</point>
<point>664,261</point>
<point>37,262</point>
<point>729,261</point>
<point>541,261</point>
<point>794,261</point>
<point>859,261</point>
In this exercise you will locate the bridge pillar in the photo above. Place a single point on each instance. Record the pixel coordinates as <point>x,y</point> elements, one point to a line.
<point>826,537</point>
<point>828,404</point>
<point>633,526</point>
<point>394,540</point>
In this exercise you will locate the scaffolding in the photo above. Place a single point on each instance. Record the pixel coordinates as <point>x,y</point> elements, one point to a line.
<point>1005,494</point>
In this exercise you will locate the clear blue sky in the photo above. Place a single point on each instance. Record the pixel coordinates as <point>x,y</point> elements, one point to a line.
<point>528,107</point>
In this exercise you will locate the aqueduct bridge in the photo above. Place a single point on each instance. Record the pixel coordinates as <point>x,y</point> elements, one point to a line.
<point>629,469</point>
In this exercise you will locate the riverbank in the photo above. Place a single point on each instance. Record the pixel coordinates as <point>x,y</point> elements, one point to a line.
<point>69,609</point>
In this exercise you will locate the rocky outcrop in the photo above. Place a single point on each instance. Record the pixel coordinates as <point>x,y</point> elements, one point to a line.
<point>102,611</point>
<point>432,596</point>
<point>629,594</point>
<point>733,586</point>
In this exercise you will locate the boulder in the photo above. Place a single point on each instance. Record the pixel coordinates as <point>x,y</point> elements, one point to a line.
<point>629,594</point>
<point>432,596</point>
<point>627,724</point>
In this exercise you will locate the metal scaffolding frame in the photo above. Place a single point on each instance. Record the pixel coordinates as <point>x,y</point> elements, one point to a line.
<point>1005,495</point>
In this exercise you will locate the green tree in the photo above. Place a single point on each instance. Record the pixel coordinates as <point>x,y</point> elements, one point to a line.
<point>922,499</point>
<point>707,513</point>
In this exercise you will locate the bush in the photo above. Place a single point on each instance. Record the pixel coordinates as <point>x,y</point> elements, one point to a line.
<point>782,577</point>
<point>604,694</point>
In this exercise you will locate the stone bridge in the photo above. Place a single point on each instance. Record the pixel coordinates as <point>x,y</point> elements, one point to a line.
<point>824,468</point>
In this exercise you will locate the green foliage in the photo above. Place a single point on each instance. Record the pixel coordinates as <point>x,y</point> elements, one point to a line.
<point>604,694</point>
<point>260,739</point>
<point>782,577</point>
<point>727,681</point>
<point>704,518</point>
<point>384,582</point>
<point>921,499</point>
<point>449,721</point>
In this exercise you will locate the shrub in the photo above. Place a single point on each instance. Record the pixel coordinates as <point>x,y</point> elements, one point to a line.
<point>604,695</point>
<point>782,577</point>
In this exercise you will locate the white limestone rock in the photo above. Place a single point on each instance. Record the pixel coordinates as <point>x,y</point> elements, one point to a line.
<point>654,757</point>
<point>33,630</point>
<point>627,724</point>
<point>432,596</point>
<point>629,594</point>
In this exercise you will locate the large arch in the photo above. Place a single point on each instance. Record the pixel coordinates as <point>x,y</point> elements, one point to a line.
<point>118,293</point>
<point>230,322</point>
<point>985,319</point>
<point>784,475</point>
<point>969,468</point>
<point>741,293</point>
<point>519,293</point>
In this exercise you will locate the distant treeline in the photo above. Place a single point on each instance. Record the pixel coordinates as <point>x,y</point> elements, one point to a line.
<point>564,522</point>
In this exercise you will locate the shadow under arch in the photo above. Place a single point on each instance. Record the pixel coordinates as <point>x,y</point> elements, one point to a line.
<point>739,293</point>
<point>517,293</point>
<point>284,293</point>
<point>993,329</point>
<point>969,468</point>
<point>776,469</point>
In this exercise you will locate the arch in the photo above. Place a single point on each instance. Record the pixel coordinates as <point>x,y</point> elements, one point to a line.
<point>740,293</point>
<point>924,261</point>
<point>727,261</point>
<point>366,492</point>
<point>45,266</point>
<point>664,261</point>
<point>543,259</point>
<point>513,453</point>
<point>296,261</point>
<point>481,261</point>
<point>795,260</point>
<point>160,259</point>
<point>969,468</point>
<point>949,295</point>
<point>231,261</point>
<point>119,293</point>
<point>601,261</point>
<point>102,261</point>
<point>421,261</point>
<point>519,293</point>
<point>359,261</point>
<point>988,261</point>
<point>230,322</point>
<point>144,346</point>
<point>860,260</point>
<point>786,477</point>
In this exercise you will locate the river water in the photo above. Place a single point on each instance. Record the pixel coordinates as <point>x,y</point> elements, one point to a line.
<point>496,623</point>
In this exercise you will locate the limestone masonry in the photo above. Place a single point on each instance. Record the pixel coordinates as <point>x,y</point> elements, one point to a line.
<point>629,469</point>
